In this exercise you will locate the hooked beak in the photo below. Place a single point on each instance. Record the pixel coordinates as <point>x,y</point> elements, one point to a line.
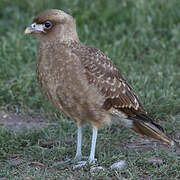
<point>34,28</point>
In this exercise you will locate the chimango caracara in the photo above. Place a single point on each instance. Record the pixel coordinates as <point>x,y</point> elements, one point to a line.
<point>83,83</point>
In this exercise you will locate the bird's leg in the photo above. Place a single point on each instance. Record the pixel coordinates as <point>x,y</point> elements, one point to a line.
<point>91,159</point>
<point>93,145</point>
<point>78,155</point>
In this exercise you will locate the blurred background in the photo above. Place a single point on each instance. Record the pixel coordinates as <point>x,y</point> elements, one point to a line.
<point>141,37</point>
<point>143,40</point>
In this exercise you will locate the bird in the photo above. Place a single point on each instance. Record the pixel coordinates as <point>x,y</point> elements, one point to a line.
<point>84,84</point>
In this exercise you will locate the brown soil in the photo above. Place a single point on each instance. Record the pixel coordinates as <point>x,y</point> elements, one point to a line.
<point>17,122</point>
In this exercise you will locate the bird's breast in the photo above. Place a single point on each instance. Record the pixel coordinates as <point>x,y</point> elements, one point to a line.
<point>66,86</point>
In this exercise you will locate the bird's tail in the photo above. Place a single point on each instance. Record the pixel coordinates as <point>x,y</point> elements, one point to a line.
<point>151,129</point>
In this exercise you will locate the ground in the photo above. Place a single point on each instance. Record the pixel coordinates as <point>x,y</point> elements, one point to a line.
<point>33,148</point>
<point>142,39</point>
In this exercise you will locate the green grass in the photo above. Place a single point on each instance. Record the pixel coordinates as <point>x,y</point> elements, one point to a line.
<point>142,38</point>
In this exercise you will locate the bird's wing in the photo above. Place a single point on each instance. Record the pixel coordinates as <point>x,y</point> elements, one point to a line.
<point>101,72</point>
<point>119,98</point>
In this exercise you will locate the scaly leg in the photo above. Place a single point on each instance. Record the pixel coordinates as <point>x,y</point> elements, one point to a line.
<point>93,146</point>
<point>78,155</point>
<point>92,153</point>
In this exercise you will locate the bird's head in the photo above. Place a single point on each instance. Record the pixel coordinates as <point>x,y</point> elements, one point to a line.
<point>53,24</point>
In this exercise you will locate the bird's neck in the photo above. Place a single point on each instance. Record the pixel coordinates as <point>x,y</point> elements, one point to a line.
<point>67,33</point>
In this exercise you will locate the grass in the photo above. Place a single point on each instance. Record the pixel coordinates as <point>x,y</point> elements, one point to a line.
<point>141,37</point>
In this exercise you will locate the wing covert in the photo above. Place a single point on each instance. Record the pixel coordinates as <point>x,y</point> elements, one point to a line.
<point>102,73</point>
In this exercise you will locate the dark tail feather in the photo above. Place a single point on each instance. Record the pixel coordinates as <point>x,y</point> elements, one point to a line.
<point>145,126</point>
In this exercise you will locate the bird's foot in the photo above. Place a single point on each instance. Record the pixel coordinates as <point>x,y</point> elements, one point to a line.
<point>79,158</point>
<point>76,159</point>
<point>79,164</point>
<point>84,163</point>
<point>92,161</point>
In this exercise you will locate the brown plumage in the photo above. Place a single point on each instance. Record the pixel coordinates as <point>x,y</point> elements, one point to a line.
<point>82,82</point>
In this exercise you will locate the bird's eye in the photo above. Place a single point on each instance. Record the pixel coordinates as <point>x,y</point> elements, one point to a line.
<point>48,24</point>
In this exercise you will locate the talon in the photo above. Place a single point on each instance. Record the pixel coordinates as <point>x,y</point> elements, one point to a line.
<point>80,164</point>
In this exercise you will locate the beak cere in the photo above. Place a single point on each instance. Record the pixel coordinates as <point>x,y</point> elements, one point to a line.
<point>34,28</point>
